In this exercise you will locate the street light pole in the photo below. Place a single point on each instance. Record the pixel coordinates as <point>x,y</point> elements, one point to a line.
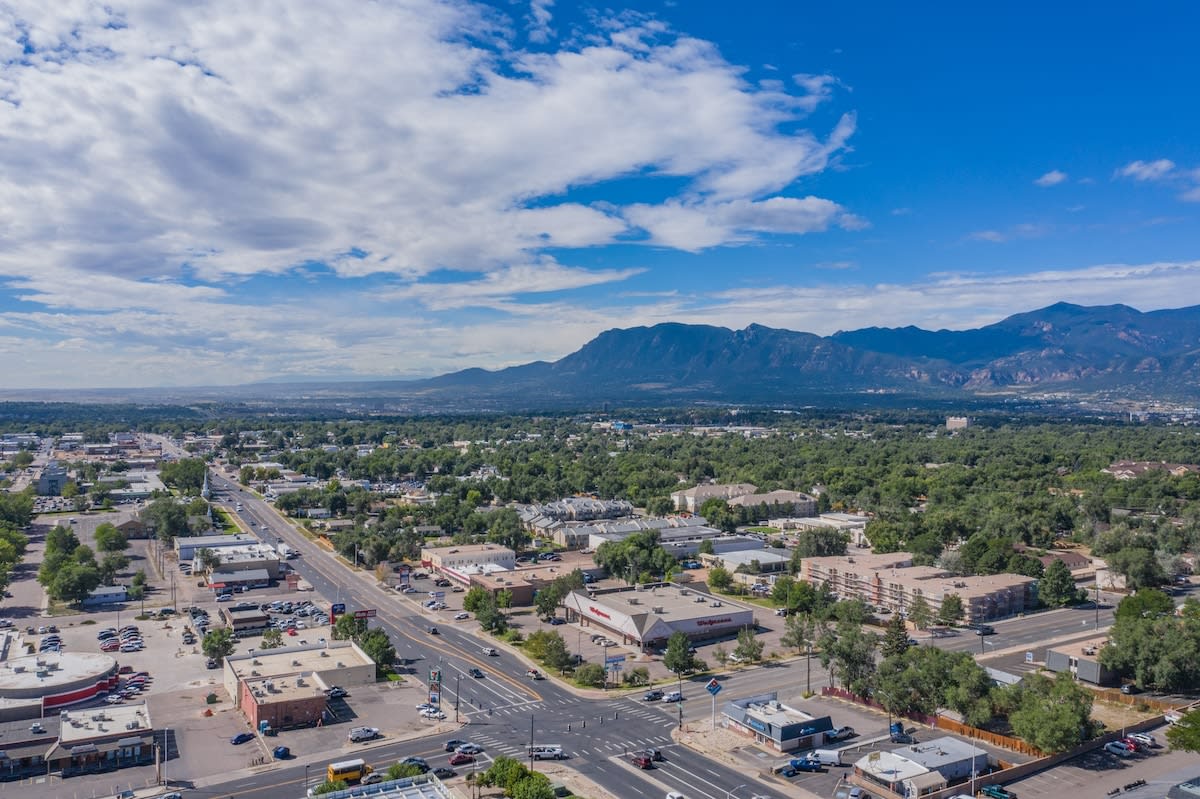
<point>679,677</point>
<point>457,693</point>
<point>729,793</point>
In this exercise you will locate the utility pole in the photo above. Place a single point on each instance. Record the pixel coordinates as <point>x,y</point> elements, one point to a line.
<point>1097,603</point>
<point>457,683</point>
<point>531,742</point>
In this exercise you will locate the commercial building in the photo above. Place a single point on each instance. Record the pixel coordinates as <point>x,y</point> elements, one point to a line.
<point>34,685</point>
<point>852,525</point>
<point>424,786</point>
<point>646,615</point>
<point>460,562</point>
<point>186,548</point>
<point>52,480</point>
<point>522,590</point>
<point>1082,659</point>
<point>102,739</point>
<point>105,595</point>
<point>245,622</point>
<point>691,499</point>
<point>765,720</point>
<point>751,561</point>
<point>891,581</point>
<point>248,557</point>
<point>141,483</point>
<point>285,687</point>
<point>250,578</point>
<point>24,746</point>
<point>919,769</point>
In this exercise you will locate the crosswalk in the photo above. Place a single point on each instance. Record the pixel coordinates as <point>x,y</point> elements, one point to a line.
<point>589,747</point>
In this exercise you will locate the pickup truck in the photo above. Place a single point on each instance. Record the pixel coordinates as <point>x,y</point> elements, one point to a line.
<point>534,674</point>
<point>841,734</point>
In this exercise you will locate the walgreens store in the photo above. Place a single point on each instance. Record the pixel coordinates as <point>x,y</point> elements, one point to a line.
<point>647,615</point>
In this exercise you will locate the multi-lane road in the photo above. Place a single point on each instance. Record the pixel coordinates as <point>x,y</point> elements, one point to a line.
<point>507,710</point>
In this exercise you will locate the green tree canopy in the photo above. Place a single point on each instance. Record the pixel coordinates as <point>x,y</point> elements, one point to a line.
<point>719,578</point>
<point>678,659</point>
<point>1053,715</point>
<point>218,643</point>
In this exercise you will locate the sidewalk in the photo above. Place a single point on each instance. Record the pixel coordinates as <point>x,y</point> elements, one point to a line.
<point>740,754</point>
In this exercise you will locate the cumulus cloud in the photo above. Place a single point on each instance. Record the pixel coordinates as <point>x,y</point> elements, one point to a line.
<point>540,17</point>
<point>1051,178</point>
<point>1147,170</point>
<point>694,227</point>
<point>143,137</point>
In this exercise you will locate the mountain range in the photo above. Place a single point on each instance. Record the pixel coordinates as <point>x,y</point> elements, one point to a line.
<point>1115,349</point>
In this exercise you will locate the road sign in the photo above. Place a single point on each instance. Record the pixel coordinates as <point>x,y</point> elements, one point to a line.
<point>615,659</point>
<point>713,687</point>
<point>1028,657</point>
<point>369,613</point>
<point>337,608</point>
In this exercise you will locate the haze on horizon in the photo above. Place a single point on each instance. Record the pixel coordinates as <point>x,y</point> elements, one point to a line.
<point>224,192</point>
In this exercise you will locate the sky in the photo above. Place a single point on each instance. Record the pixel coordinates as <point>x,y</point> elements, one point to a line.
<point>224,191</point>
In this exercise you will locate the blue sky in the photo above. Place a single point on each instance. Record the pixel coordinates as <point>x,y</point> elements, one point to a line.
<point>231,191</point>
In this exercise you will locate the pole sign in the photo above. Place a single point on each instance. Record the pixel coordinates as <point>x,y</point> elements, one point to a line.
<point>435,687</point>
<point>337,609</point>
<point>713,687</point>
<point>615,659</point>
<point>369,613</point>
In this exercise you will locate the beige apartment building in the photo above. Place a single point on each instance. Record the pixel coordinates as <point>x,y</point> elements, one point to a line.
<point>891,581</point>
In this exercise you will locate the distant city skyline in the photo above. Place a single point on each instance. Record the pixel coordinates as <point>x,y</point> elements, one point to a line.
<point>225,192</point>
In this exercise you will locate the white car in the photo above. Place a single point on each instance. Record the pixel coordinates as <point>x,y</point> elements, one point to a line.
<point>462,616</point>
<point>363,734</point>
<point>431,713</point>
<point>1144,738</point>
<point>469,749</point>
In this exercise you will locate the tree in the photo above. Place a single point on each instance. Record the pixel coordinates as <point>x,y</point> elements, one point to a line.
<point>951,610</point>
<point>706,547</point>
<point>475,598</point>
<point>186,475</point>
<point>137,585</point>
<point>348,628</point>
<point>749,647</point>
<point>61,539</point>
<point>919,613</point>
<point>329,787</point>
<point>218,644</point>
<point>74,581</point>
<point>491,618</point>
<point>848,652</point>
<point>111,565</point>
<point>534,785</point>
<point>722,655</point>
<point>590,675</point>
<point>167,518</point>
<point>555,654</point>
<point>797,631</point>
<point>398,771</point>
<point>272,638</point>
<point>1138,566</point>
<point>505,528</point>
<point>109,539</point>
<point>504,599</point>
<point>378,646</point>
<point>895,638</point>
<point>1056,587</point>
<point>719,578</point>
<point>1144,604</point>
<point>678,658</point>
<point>1053,715</point>
<point>505,772</point>
<point>208,560</point>
<point>1185,733</point>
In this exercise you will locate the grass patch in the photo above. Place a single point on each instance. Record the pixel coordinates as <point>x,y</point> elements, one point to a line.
<point>390,675</point>
<point>87,621</point>
<point>59,608</point>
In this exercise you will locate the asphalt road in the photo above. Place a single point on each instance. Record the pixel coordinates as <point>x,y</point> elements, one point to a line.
<point>506,709</point>
<point>1030,631</point>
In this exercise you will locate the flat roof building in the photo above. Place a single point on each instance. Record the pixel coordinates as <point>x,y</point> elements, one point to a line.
<point>323,665</point>
<point>783,728</point>
<point>459,562</point>
<point>101,739</point>
<point>1082,659</point>
<point>646,615</point>
<point>186,548</point>
<point>757,561</point>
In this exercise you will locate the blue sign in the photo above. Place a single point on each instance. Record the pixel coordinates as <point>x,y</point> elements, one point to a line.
<point>756,724</point>
<point>337,609</point>
<point>713,687</point>
<point>615,659</point>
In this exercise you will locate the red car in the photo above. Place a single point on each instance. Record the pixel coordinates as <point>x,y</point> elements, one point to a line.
<point>459,759</point>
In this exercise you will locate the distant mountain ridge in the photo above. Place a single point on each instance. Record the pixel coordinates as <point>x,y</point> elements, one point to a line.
<point>1063,346</point>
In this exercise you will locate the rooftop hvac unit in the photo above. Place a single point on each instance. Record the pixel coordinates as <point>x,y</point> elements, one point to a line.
<point>295,663</point>
<point>701,599</point>
<point>716,604</point>
<point>684,592</point>
<point>253,672</point>
<point>657,608</point>
<point>341,665</point>
<point>633,600</point>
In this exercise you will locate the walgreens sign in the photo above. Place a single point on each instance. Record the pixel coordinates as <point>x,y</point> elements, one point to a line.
<point>712,622</point>
<point>598,612</point>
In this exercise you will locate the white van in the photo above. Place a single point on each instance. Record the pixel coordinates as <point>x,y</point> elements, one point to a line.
<point>827,757</point>
<point>545,751</point>
<point>490,651</point>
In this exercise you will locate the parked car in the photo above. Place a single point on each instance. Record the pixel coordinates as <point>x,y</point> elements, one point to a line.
<point>841,734</point>
<point>803,764</point>
<point>462,616</point>
<point>557,620</point>
<point>241,738</point>
<point>1117,748</point>
<point>433,713</point>
<point>997,792</point>
<point>336,692</point>
<point>1144,738</point>
<point>359,734</point>
<point>281,753</point>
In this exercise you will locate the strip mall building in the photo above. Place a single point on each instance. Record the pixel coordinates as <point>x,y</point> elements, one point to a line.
<point>647,615</point>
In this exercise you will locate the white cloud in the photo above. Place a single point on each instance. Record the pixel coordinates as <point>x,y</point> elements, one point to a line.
<point>540,16</point>
<point>149,140</point>
<point>1051,178</point>
<point>695,227</point>
<point>1147,170</point>
<point>994,236</point>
